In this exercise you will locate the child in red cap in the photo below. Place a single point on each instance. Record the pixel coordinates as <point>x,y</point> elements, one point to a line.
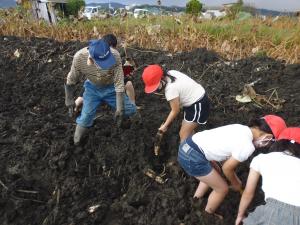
<point>280,183</point>
<point>230,145</point>
<point>180,91</point>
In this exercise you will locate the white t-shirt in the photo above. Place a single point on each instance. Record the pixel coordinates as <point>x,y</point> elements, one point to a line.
<point>280,176</point>
<point>221,143</point>
<point>184,87</point>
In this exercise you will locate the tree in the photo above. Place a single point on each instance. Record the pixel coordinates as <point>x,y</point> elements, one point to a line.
<point>240,2</point>
<point>235,9</point>
<point>73,6</point>
<point>193,7</point>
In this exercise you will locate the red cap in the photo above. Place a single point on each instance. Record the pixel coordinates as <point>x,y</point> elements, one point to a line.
<point>276,124</point>
<point>151,76</point>
<point>290,133</point>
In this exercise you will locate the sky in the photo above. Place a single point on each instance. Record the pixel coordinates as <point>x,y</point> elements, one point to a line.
<point>279,5</point>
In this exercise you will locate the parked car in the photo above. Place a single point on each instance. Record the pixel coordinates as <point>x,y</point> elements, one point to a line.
<point>90,12</point>
<point>212,14</point>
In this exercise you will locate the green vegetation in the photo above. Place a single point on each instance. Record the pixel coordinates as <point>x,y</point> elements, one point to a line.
<point>193,7</point>
<point>73,6</point>
<point>235,9</point>
<point>277,39</point>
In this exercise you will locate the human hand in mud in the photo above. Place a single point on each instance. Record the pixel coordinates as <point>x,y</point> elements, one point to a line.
<point>71,111</point>
<point>69,98</point>
<point>119,113</point>
<point>157,141</point>
<point>239,220</point>
<point>70,106</point>
<point>118,118</point>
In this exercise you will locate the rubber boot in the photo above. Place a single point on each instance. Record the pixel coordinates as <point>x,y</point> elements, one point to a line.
<point>79,133</point>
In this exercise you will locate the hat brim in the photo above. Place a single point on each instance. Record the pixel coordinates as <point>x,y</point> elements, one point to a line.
<point>106,63</point>
<point>152,88</point>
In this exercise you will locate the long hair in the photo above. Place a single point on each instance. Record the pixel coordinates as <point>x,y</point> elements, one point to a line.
<point>166,74</point>
<point>261,124</point>
<point>286,145</point>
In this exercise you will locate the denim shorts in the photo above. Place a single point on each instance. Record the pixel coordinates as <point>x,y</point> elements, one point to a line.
<point>274,212</point>
<point>192,159</point>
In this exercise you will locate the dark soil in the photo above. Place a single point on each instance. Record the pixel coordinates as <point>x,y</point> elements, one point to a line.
<point>45,180</point>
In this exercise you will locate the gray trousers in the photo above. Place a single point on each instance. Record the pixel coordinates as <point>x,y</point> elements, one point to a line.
<point>274,213</point>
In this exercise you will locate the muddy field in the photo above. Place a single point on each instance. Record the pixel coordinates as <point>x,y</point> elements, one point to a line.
<point>45,180</point>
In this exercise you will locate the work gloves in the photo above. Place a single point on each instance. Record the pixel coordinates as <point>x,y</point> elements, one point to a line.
<point>69,98</point>
<point>120,108</point>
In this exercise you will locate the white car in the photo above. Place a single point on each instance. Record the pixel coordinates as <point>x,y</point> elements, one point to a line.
<point>140,13</point>
<point>90,12</point>
<point>212,14</point>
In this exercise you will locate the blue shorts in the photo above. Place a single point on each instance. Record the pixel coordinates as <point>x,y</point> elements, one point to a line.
<point>192,159</point>
<point>93,96</point>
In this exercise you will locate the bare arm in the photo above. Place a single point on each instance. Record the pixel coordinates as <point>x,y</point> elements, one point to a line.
<point>228,169</point>
<point>248,195</point>
<point>175,109</point>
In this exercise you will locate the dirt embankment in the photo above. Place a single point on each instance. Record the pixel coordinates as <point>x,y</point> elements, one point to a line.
<point>46,180</point>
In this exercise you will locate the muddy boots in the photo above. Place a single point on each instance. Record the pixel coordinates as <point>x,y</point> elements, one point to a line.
<point>80,132</point>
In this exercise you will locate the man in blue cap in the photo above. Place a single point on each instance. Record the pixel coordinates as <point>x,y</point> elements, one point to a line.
<point>101,67</point>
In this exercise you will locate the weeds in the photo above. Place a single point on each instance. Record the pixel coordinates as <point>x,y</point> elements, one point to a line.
<point>278,39</point>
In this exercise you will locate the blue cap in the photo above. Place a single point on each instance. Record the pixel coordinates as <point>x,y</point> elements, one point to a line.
<point>100,52</point>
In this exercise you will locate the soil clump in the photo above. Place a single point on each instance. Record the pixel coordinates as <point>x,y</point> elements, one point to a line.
<point>46,180</point>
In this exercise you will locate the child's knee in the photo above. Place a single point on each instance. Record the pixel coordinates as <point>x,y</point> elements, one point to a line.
<point>224,189</point>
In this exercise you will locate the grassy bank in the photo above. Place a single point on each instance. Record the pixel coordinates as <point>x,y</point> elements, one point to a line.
<point>231,38</point>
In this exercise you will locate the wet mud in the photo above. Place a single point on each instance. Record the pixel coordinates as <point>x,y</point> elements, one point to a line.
<point>45,179</point>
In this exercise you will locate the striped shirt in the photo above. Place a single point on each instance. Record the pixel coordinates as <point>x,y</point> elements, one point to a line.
<point>81,70</point>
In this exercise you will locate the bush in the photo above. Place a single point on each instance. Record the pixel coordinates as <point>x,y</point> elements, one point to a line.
<point>73,6</point>
<point>235,9</point>
<point>193,7</point>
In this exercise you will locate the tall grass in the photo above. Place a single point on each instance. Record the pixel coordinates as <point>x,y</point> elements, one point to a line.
<point>232,39</point>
